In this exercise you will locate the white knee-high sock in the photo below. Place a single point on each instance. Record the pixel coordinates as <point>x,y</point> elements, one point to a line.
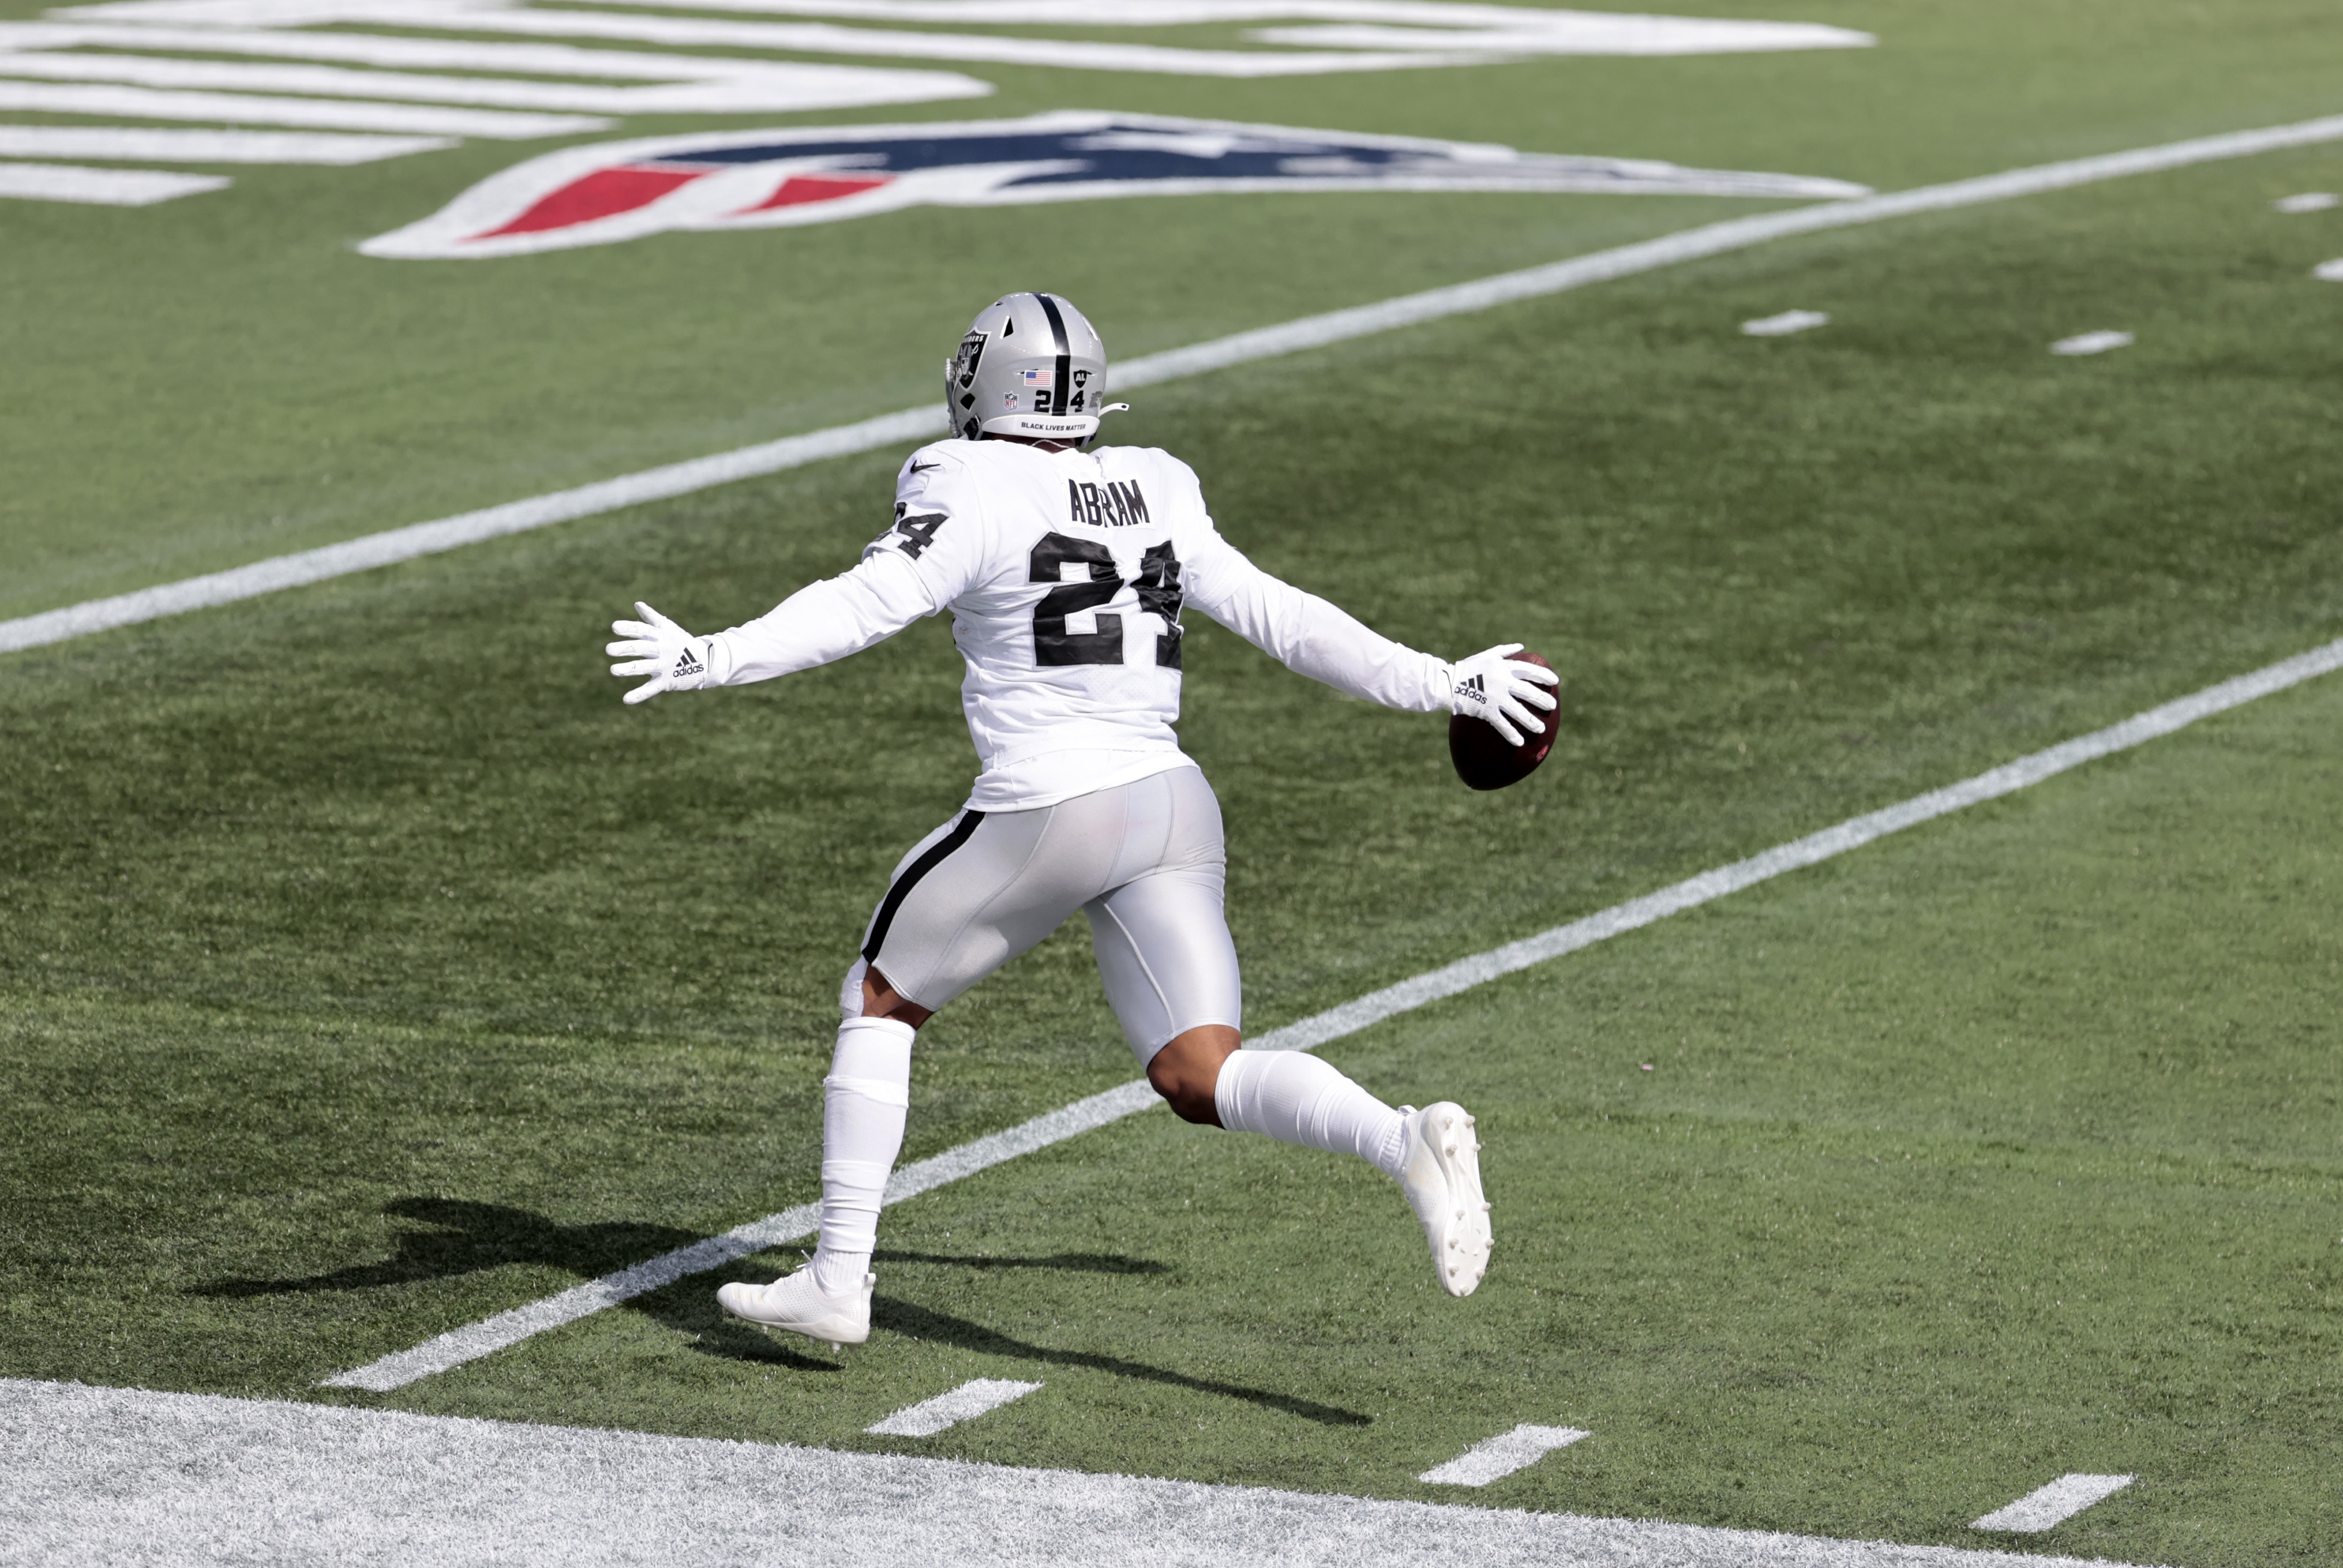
<point>1295,1097</point>
<point>866,1098</point>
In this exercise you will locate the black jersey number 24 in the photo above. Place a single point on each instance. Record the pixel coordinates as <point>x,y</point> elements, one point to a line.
<point>1158,593</point>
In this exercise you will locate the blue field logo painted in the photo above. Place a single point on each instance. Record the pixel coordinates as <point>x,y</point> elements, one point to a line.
<point>606,192</point>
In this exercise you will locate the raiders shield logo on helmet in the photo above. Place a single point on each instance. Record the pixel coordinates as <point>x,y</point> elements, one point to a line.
<point>964,363</point>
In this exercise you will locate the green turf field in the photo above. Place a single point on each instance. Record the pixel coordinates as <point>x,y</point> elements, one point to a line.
<point>365,969</point>
<point>220,379</point>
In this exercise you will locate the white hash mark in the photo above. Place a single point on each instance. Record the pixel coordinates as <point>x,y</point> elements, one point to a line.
<point>1502,1455</point>
<point>966,1402</point>
<point>1789,321</point>
<point>2308,201</point>
<point>2061,1500</point>
<point>2092,343</point>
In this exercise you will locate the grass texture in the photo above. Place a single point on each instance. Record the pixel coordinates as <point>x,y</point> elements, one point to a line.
<point>222,378</point>
<point>365,968</point>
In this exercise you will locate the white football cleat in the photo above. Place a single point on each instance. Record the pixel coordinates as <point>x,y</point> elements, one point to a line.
<point>1441,1173</point>
<point>796,1303</point>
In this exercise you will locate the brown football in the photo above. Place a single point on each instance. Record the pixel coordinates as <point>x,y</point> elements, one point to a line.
<point>1482,759</point>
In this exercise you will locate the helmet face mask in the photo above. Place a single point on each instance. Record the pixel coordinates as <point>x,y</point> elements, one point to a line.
<point>1030,364</point>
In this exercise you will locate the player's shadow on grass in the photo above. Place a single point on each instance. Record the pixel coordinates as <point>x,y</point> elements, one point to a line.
<point>1076,1263</point>
<point>719,1336</point>
<point>926,1324</point>
<point>469,1237</point>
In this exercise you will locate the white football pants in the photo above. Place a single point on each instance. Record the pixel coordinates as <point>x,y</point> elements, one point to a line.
<point>1143,861</point>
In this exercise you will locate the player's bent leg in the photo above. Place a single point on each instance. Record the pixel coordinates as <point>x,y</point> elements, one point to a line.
<point>1171,972</point>
<point>1433,1154</point>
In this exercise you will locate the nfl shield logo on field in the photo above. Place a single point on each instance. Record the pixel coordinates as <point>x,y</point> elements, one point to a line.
<point>602,193</point>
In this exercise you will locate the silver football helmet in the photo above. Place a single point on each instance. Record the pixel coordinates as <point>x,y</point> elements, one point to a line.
<point>1031,365</point>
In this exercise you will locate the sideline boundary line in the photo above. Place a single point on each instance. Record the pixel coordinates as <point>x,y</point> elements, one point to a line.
<point>674,480</point>
<point>105,1476</point>
<point>474,1340</point>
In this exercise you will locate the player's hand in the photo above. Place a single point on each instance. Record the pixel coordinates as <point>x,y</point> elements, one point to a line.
<point>655,646</point>
<point>1501,690</point>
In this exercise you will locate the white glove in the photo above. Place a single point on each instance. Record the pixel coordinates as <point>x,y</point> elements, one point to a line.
<point>655,646</point>
<point>1501,690</point>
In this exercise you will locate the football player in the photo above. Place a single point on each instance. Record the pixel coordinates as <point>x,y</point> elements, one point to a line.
<point>1066,570</point>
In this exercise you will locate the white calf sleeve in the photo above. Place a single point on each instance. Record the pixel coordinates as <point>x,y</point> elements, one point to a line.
<point>1295,1097</point>
<point>866,1098</point>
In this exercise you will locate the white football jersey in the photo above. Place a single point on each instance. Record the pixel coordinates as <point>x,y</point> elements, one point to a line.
<point>1066,574</point>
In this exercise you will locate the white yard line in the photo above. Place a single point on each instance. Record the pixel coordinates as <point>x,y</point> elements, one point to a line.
<point>966,1402</point>
<point>2054,1504</point>
<point>101,187</point>
<point>1244,347</point>
<point>141,145</point>
<point>873,43</point>
<point>770,90</point>
<point>1502,1455</point>
<point>122,1477</point>
<point>125,103</point>
<point>473,1340</point>
<point>683,84</point>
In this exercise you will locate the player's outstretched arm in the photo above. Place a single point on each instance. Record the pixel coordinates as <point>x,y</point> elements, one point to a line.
<point>906,573</point>
<point>1314,637</point>
<point>819,623</point>
<point>1499,689</point>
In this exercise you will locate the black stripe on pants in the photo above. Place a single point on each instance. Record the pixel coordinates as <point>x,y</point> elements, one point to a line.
<point>937,854</point>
